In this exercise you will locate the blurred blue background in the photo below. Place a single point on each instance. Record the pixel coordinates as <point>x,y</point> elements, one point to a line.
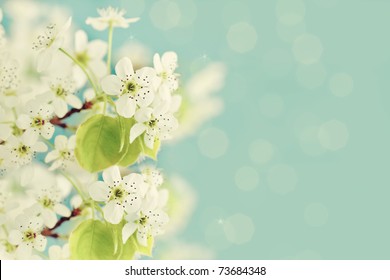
<point>297,165</point>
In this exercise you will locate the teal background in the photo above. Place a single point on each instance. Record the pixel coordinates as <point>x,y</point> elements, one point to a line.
<point>332,202</point>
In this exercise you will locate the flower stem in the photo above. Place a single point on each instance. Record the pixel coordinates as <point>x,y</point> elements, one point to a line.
<point>82,68</point>
<point>74,185</point>
<point>110,32</point>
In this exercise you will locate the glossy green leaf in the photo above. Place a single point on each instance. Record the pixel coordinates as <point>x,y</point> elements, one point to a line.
<point>100,143</point>
<point>93,240</point>
<point>132,247</point>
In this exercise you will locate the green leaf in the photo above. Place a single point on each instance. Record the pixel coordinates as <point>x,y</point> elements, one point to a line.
<point>100,143</point>
<point>92,240</point>
<point>132,247</point>
<point>134,149</point>
<point>152,153</point>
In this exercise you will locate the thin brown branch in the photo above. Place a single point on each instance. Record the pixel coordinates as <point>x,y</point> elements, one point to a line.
<point>59,121</point>
<point>50,231</point>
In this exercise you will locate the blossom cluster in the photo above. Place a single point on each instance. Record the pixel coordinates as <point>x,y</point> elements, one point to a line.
<point>56,90</point>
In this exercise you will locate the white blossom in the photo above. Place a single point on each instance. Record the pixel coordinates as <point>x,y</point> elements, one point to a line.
<point>120,194</point>
<point>110,17</point>
<point>48,43</point>
<point>145,223</point>
<point>89,54</point>
<point>62,92</point>
<point>22,149</point>
<point>49,205</point>
<point>165,68</point>
<point>155,125</point>
<point>36,121</point>
<point>134,89</point>
<point>63,154</point>
<point>27,235</point>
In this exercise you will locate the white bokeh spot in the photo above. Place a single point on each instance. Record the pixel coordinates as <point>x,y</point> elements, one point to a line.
<point>246,178</point>
<point>282,179</point>
<point>213,142</point>
<point>316,214</point>
<point>165,14</point>
<point>239,229</point>
<point>333,135</point>
<point>261,151</point>
<point>242,37</point>
<point>307,49</point>
<point>341,84</point>
<point>290,12</point>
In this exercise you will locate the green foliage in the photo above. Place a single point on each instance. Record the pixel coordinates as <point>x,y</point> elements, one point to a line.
<point>92,240</point>
<point>103,141</point>
<point>99,144</point>
<point>95,240</point>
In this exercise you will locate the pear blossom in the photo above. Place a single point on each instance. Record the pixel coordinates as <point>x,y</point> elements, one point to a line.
<point>27,235</point>
<point>48,43</point>
<point>62,92</point>
<point>134,89</point>
<point>10,84</point>
<point>63,154</point>
<point>165,68</point>
<point>110,17</point>
<point>37,121</point>
<point>89,54</point>
<point>49,204</point>
<point>59,253</point>
<point>145,223</point>
<point>22,149</point>
<point>155,125</point>
<point>120,194</point>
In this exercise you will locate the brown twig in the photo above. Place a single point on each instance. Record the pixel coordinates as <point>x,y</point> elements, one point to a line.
<point>59,121</point>
<point>50,231</point>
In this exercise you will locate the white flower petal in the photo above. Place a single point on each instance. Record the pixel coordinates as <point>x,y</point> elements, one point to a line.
<point>61,142</point>
<point>125,106</point>
<point>81,41</point>
<point>97,49</point>
<point>61,210</point>
<point>52,156</point>
<point>44,59</point>
<point>99,191</point>
<point>49,217</point>
<point>5,131</point>
<point>112,176</point>
<point>113,212</point>
<point>124,68</point>
<point>40,243</point>
<point>128,231</point>
<point>144,97</point>
<point>26,174</point>
<point>98,67</point>
<point>96,23</point>
<point>60,107</point>
<point>142,236</point>
<point>15,237</point>
<point>149,139</point>
<point>47,131</point>
<point>23,121</point>
<point>143,114</point>
<point>136,130</point>
<point>111,85</point>
<point>157,63</point>
<point>169,61</point>
<point>74,101</point>
<point>40,147</point>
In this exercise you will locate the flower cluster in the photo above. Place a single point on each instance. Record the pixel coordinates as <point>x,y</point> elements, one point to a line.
<point>74,130</point>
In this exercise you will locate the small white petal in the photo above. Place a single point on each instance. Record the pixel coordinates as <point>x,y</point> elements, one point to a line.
<point>125,106</point>
<point>99,191</point>
<point>136,130</point>
<point>128,231</point>
<point>52,156</point>
<point>81,41</point>
<point>143,114</point>
<point>40,243</point>
<point>23,121</point>
<point>157,63</point>
<point>112,176</point>
<point>60,107</point>
<point>47,131</point>
<point>113,212</point>
<point>111,85</point>
<point>44,59</point>
<point>40,147</point>
<point>26,174</point>
<point>124,68</point>
<point>15,237</point>
<point>74,101</point>
<point>97,49</point>
<point>49,217</point>
<point>61,210</point>
<point>61,142</point>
